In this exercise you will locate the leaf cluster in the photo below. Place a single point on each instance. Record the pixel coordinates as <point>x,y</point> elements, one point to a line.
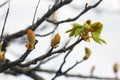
<point>87,30</point>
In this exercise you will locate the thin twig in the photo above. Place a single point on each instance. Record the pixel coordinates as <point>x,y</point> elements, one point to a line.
<point>5,22</point>
<point>35,12</point>
<point>47,33</point>
<point>59,72</point>
<point>45,61</point>
<point>73,66</point>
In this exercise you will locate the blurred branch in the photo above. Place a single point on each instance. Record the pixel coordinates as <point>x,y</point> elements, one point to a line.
<point>77,75</point>
<point>1,5</point>
<point>35,12</point>
<point>18,70</point>
<point>3,28</point>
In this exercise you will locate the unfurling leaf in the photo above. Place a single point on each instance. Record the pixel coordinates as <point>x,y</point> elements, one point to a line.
<point>2,55</point>
<point>96,29</point>
<point>30,44</point>
<point>87,53</point>
<point>115,67</point>
<point>55,41</point>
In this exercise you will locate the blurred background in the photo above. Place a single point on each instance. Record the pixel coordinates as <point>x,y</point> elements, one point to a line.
<point>103,56</point>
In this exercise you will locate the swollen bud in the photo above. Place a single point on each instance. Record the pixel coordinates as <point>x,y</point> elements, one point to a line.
<point>87,53</point>
<point>30,44</point>
<point>2,56</point>
<point>115,67</point>
<point>55,41</point>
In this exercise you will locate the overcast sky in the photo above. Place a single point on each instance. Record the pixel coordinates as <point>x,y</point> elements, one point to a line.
<point>103,56</point>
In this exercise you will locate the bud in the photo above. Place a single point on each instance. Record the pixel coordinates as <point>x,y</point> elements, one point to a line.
<point>30,40</point>
<point>55,41</point>
<point>87,53</point>
<point>2,56</point>
<point>88,22</point>
<point>115,67</point>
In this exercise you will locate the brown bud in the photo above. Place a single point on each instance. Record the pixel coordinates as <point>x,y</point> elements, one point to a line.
<point>88,22</point>
<point>2,56</point>
<point>115,67</point>
<point>55,41</point>
<point>30,40</point>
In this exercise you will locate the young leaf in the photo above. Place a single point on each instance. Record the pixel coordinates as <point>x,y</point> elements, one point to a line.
<point>96,29</point>
<point>76,30</point>
<point>76,25</point>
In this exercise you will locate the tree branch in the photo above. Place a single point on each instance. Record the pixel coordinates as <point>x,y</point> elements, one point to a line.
<point>77,75</point>
<point>48,54</point>
<point>78,16</point>
<point>34,26</point>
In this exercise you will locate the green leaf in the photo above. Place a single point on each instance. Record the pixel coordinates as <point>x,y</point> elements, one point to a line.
<point>72,33</point>
<point>96,29</point>
<point>70,30</point>
<point>76,30</point>
<point>95,37</point>
<point>76,25</point>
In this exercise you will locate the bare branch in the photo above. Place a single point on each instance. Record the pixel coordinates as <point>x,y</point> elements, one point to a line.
<point>59,72</point>
<point>47,33</point>
<point>75,18</point>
